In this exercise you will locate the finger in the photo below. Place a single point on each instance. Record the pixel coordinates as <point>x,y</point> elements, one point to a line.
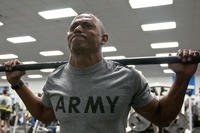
<point>13,63</point>
<point>16,62</point>
<point>9,65</point>
<point>5,65</point>
<point>190,54</point>
<point>196,53</point>
<point>180,53</point>
<point>19,62</point>
<point>185,52</point>
<point>185,55</point>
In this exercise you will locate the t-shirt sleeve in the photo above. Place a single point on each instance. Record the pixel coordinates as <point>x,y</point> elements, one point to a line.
<point>142,95</point>
<point>45,97</point>
<point>50,86</point>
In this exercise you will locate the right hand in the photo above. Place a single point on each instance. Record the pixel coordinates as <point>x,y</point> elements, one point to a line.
<point>183,69</point>
<point>13,77</point>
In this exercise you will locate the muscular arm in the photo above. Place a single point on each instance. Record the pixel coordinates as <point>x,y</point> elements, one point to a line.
<point>35,106</point>
<point>161,112</point>
<point>32,102</point>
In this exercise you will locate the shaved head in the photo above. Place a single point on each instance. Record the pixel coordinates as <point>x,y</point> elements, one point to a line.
<point>99,22</point>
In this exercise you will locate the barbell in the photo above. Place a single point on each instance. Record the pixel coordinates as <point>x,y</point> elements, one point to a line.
<point>148,60</point>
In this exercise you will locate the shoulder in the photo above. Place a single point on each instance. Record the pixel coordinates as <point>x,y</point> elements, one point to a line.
<point>56,74</point>
<point>116,66</point>
<point>59,70</point>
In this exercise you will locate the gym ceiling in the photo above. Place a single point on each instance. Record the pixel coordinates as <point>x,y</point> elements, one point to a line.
<point>123,24</point>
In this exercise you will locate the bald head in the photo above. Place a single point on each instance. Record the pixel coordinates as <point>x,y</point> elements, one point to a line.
<point>86,35</point>
<point>90,15</point>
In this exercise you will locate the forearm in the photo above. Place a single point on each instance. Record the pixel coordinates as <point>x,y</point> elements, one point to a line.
<point>171,104</point>
<point>34,105</point>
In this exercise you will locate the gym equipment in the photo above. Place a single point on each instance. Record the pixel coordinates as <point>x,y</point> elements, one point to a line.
<point>138,123</point>
<point>17,109</point>
<point>127,61</point>
<point>38,128</point>
<point>196,130</point>
<point>159,90</point>
<point>179,125</point>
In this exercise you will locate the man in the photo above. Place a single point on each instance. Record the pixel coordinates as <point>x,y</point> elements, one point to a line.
<point>6,110</point>
<point>90,94</point>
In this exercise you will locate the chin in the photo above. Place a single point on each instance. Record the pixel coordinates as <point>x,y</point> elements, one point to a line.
<point>77,47</point>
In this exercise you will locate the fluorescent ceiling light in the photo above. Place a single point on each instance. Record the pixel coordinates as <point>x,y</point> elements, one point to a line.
<point>21,39</point>
<point>158,26</point>
<point>3,77</point>
<point>164,45</point>
<point>133,66</point>
<point>164,65</point>
<point>109,49</point>
<point>1,23</point>
<point>148,3</point>
<point>165,54</point>
<point>191,87</point>
<point>114,57</point>
<point>47,70</point>
<point>57,13</point>
<point>8,56</point>
<point>34,76</point>
<point>51,53</point>
<point>168,71</point>
<point>29,62</point>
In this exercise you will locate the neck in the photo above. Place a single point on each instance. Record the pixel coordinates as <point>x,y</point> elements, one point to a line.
<point>82,61</point>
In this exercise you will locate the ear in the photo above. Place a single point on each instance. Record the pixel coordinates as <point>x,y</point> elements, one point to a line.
<point>104,39</point>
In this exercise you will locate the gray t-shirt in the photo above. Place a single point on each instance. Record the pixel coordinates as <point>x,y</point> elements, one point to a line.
<point>5,102</point>
<point>96,99</point>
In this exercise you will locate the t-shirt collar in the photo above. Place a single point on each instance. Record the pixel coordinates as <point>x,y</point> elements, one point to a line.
<point>85,70</point>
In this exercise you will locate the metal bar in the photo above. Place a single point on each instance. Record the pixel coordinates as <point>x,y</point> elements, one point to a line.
<point>148,60</point>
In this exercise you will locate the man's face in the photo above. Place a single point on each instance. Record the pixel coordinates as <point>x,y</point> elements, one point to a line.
<point>84,34</point>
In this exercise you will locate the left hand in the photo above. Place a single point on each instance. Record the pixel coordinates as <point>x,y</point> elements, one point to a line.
<point>185,69</point>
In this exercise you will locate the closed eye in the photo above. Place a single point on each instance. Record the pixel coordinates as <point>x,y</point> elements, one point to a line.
<point>87,25</point>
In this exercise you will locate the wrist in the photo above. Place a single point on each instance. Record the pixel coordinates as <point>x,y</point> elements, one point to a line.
<point>183,76</point>
<point>17,85</point>
<point>182,80</point>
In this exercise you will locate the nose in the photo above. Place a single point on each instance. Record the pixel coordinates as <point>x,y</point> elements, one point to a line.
<point>78,29</point>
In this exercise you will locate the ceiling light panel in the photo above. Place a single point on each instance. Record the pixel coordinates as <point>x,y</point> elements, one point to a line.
<point>164,45</point>
<point>58,13</point>
<point>51,53</point>
<point>1,23</point>
<point>132,66</point>
<point>168,71</point>
<point>159,26</point>
<point>165,54</point>
<point>164,65</point>
<point>148,3</point>
<point>29,62</point>
<point>114,57</point>
<point>3,77</point>
<point>21,39</point>
<point>8,56</point>
<point>47,70</point>
<point>109,49</point>
<point>34,76</point>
